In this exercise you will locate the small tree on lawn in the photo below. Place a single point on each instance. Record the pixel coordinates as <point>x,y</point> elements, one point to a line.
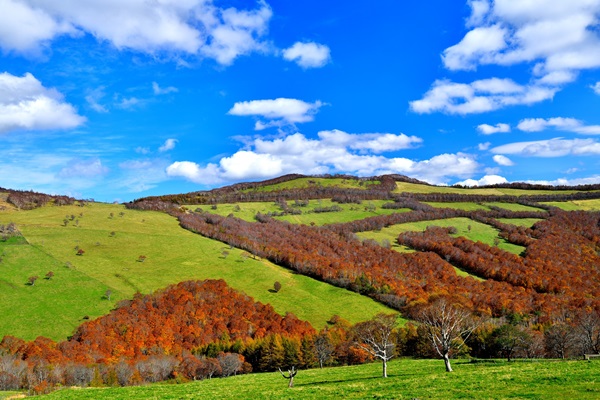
<point>141,258</point>
<point>107,294</point>
<point>80,252</point>
<point>32,280</point>
<point>49,275</point>
<point>375,337</point>
<point>277,286</point>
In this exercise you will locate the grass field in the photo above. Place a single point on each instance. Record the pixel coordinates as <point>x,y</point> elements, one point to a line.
<point>477,232</point>
<point>577,205</point>
<point>419,188</point>
<point>408,379</point>
<point>459,205</point>
<point>350,212</point>
<point>308,182</point>
<point>54,307</point>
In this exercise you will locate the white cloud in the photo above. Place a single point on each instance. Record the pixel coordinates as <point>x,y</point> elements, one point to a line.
<point>596,87</point>
<point>487,129</point>
<point>503,160</point>
<point>557,147</point>
<point>373,142</point>
<point>277,112</point>
<point>558,35</point>
<point>192,27</point>
<point>87,168</point>
<point>484,146</point>
<point>332,152</point>
<point>484,181</point>
<point>563,124</point>
<point>591,180</point>
<point>158,90</point>
<point>308,55</point>
<point>479,96</point>
<point>93,99</point>
<point>168,145</point>
<point>25,104</point>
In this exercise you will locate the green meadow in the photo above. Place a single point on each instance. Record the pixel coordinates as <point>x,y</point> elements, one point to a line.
<point>113,239</point>
<point>408,379</point>
<point>577,205</point>
<point>349,212</point>
<point>420,188</point>
<point>309,182</point>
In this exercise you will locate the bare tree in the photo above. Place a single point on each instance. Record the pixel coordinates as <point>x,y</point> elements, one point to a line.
<point>231,363</point>
<point>291,374</point>
<point>588,330</point>
<point>32,280</point>
<point>375,337</point>
<point>323,348</point>
<point>448,325</point>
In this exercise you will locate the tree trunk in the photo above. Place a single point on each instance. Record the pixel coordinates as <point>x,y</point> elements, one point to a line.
<point>385,369</point>
<point>447,363</point>
<point>291,384</point>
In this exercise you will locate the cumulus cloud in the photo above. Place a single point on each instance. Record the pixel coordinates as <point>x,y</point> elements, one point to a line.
<point>25,104</point>
<point>193,27</point>
<point>158,90</point>
<point>596,88</point>
<point>557,35</point>
<point>479,96</point>
<point>559,123</point>
<point>557,147</point>
<point>277,112</point>
<point>487,129</point>
<point>168,145</point>
<point>590,180</point>
<point>308,55</point>
<point>557,39</point>
<point>331,152</point>
<point>484,181</point>
<point>503,160</point>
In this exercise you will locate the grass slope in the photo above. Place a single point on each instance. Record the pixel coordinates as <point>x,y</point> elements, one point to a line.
<point>173,255</point>
<point>309,182</point>
<point>577,205</point>
<point>350,212</point>
<point>408,379</point>
<point>420,188</point>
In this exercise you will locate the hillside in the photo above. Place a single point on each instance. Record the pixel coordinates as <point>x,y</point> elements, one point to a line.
<point>333,251</point>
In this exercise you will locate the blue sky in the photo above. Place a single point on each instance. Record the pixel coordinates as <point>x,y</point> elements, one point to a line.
<point>117,100</point>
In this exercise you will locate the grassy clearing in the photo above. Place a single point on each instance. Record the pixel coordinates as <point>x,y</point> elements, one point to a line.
<point>419,188</point>
<point>302,183</point>
<point>408,379</point>
<point>513,206</point>
<point>528,222</point>
<point>468,228</point>
<point>111,262</point>
<point>350,212</point>
<point>577,205</point>
<point>459,206</point>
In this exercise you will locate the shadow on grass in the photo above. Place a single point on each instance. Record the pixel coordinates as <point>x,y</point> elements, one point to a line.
<point>336,381</point>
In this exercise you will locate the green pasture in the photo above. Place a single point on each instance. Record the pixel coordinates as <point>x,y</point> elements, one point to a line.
<point>408,379</point>
<point>466,227</point>
<point>111,261</point>
<point>349,212</point>
<point>308,182</point>
<point>420,188</point>
<point>513,206</point>
<point>466,206</point>
<point>527,222</point>
<point>576,205</point>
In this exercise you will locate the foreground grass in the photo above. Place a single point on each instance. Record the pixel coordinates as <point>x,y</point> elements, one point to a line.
<point>408,379</point>
<point>54,307</point>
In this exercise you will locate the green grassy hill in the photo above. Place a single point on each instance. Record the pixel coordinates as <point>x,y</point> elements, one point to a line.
<point>54,307</point>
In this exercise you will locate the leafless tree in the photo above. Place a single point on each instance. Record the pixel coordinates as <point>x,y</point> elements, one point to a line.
<point>375,337</point>
<point>290,377</point>
<point>231,363</point>
<point>323,348</point>
<point>588,331</point>
<point>448,325</point>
